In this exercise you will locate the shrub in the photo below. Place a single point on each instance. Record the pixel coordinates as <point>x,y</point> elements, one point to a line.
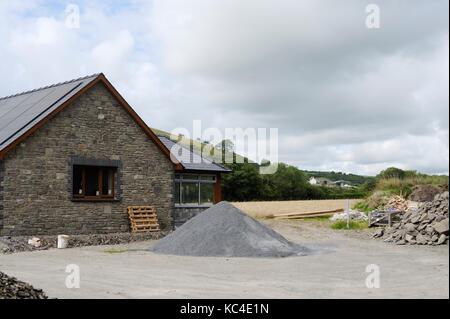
<point>342,224</point>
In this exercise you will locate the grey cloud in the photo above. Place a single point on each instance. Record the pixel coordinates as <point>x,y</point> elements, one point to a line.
<point>340,94</point>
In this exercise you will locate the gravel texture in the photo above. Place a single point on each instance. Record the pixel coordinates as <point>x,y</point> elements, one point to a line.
<point>11,288</point>
<point>15,244</point>
<point>224,230</point>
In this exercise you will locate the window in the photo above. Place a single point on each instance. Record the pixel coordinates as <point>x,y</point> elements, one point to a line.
<point>93,182</point>
<point>194,190</point>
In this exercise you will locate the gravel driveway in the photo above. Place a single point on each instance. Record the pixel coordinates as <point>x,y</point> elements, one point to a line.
<point>336,270</point>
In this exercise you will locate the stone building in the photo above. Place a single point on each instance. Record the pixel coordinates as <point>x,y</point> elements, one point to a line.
<point>75,155</point>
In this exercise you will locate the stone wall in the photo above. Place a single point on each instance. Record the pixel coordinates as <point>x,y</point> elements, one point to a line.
<point>36,187</point>
<point>183,214</point>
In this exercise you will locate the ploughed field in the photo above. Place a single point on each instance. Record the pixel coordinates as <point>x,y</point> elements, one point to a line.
<point>264,209</point>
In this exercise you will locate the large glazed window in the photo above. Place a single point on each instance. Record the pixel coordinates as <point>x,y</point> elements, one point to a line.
<point>93,182</point>
<point>194,190</point>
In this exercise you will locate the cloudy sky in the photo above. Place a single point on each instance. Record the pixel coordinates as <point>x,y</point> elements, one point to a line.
<point>343,97</point>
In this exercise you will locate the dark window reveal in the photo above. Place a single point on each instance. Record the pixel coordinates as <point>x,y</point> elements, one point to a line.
<point>93,182</point>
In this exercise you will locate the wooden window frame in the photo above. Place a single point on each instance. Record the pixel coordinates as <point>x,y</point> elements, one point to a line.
<point>100,197</point>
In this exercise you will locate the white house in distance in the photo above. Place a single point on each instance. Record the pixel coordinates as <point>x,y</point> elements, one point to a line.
<point>322,181</point>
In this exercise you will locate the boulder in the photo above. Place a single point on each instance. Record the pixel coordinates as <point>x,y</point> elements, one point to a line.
<point>442,227</point>
<point>442,239</point>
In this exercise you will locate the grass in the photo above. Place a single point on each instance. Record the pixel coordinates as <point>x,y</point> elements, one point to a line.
<point>114,251</point>
<point>317,219</point>
<point>353,225</point>
<point>362,207</point>
<point>404,187</point>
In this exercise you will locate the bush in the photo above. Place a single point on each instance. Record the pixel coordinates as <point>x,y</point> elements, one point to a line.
<point>342,224</point>
<point>362,206</point>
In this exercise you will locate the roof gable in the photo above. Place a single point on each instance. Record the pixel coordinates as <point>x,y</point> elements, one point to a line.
<point>22,114</point>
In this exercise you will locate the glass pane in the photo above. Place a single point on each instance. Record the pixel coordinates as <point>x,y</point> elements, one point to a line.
<point>107,181</point>
<point>190,176</point>
<point>77,188</point>
<point>92,181</point>
<point>190,193</point>
<point>206,194</point>
<point>208,178</point>
<point>177,193</point>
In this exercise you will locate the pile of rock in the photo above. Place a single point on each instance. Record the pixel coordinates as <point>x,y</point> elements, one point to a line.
<point>11,288</point>
<point>426,226</point>
<point>352,214</point>
<point>424,193</point>
<point>397,203</point>
<point>10,245</point>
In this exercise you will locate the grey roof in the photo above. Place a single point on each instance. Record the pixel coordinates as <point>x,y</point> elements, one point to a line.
<point>191,160</point>
<point>20,112</point>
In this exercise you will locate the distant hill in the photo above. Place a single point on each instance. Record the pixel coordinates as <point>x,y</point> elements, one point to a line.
<point>199,147</point>
<point>215,154</point>
<point>337,176</point>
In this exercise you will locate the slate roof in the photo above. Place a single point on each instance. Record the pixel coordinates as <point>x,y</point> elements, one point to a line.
<point>191,160</point>
<point>20,112</point>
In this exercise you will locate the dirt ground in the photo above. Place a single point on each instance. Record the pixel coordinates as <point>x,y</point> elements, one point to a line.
<point>336,270</point>
<point>262,209</point>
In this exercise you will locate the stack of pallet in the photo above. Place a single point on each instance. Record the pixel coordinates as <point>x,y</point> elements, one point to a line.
<point>143,219</point>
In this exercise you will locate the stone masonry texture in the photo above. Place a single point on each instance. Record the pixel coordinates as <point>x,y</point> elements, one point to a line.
<point>35,176</point>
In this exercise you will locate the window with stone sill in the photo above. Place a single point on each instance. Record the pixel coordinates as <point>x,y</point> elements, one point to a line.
<point>93,182</point>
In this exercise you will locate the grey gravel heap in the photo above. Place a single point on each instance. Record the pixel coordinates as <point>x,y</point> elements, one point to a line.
<point>224,230</point>
<point>11,288</point>
<point>426,226</point>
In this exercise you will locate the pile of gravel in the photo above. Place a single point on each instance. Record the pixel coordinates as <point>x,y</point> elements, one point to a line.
<point>15,244</point>
<point>224,230</point>
<point>426,226</point>
<point>11,288</point>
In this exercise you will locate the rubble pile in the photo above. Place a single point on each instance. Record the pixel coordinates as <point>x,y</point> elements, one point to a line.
<point>424,193</point>
<point>397,203</point>
<point>352,214</point>
<point>11,288</point>
<point>426,226</point>
<point>15,244</point>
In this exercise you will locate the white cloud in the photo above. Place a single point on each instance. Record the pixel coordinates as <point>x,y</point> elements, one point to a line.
<point>343,97</point>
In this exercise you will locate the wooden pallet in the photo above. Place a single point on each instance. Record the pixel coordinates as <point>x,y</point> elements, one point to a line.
<point>383,218</point>
<point>143,219</point>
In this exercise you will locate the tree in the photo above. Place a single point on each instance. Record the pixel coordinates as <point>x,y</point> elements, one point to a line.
<point>243,183</point>
<point>226,145</point>
<point>392,172</point>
